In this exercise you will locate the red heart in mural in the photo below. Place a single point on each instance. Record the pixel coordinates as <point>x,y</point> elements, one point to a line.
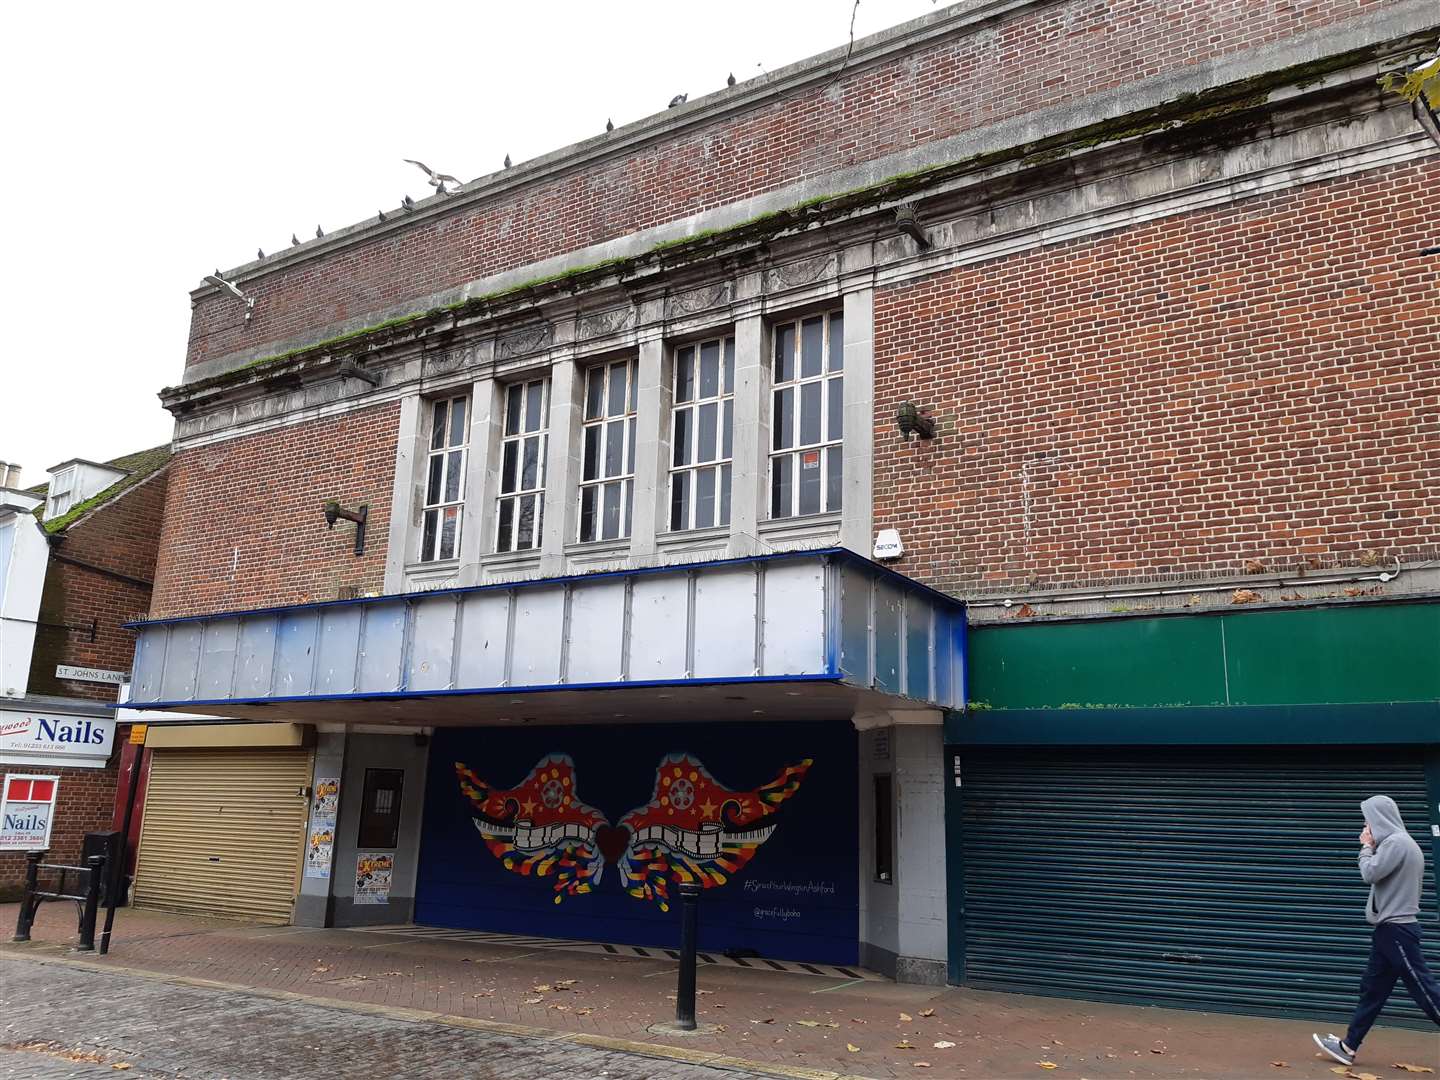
<point>612,841</point>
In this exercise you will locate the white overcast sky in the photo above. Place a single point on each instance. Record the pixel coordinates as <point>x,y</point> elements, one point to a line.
<point>151,143</point>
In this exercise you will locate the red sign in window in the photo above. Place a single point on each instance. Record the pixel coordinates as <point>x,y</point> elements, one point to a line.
<point>42,790</point>
<point>19,790</point>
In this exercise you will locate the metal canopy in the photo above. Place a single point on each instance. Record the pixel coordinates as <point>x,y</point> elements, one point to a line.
<point>586,647</point>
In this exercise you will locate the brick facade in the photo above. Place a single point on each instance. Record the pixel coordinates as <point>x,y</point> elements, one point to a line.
<point>244,524</point>
<point>1253,383</point>
<point>1042,55</point>
<point>86,804</point>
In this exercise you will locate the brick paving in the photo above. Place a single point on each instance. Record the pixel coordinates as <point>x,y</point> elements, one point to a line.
<point>783,1020</point>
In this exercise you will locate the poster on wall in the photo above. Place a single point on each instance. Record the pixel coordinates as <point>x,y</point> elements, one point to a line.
<point>324,808</point>
<point>575,832</point>
<point>373,872</point>
<point>27,811</point>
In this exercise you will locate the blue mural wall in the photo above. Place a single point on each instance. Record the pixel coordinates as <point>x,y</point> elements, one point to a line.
<point>584,832</point>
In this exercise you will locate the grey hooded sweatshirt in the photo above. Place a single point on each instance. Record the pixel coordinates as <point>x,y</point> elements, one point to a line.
<point>1393,866</point>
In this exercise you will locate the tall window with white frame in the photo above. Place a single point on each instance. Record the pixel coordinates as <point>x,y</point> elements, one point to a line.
<point>607,474</point>
<point>445,479</point>
<point>61,492</point>
<point>520,508</point>
<point>701,434</point>
<point>807,420</point>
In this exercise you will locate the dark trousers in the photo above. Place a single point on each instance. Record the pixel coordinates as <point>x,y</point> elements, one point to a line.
<point>1394,954</point>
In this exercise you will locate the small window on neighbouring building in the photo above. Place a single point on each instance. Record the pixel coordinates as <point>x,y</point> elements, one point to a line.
<point>607,474</point>
<point>61,494</point>
<point>807,418</point>
<point>884,830</point>
<point>445,479</point>
<point>701,439</point>
<point>520,509</point>
<point>380,810</point>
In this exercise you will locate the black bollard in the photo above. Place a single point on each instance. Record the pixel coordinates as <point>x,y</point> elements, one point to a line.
<point>92,903</point>
<point>27,898</point>
<point>685,995</point>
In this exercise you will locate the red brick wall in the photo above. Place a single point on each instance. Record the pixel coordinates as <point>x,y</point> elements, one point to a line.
<point>1255,382</point>
<point>1042,56</point>
<point>122,536</point>
<point>86,803</point>
<point>244,524</point>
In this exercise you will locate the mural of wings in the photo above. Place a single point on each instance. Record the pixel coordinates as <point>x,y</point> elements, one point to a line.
<point>694,829</point>
<point>540,828</point>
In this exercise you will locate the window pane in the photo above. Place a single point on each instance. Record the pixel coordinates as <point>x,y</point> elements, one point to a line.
<point>507,467</point>
<point>812,338</point>
<point>507,522</point>
<point>729,365</point>
<point>684,374</point>
<point>785,352</point>
<point>587,514</point>
<point>705,498</point>
<point>710,369</point>
<point>709,417</point>
<point>680,448</point>
<point>530,464</point>
<point>631,369</point>
<point>727,428</point>
<point>724,495</point>
<point>449,531</point>
<point>835,391</point>
<point>427,539</point>
<point>630,445</point>
<point>837,343</point>
<point>680,501</point>
<point>809,413</point>
<point>629,505</point>
<point>512,410</point>
<point>591,467</point>
<point>614,447</point>
<point>534,402</point>
<point>610,521</point>
<point>781,487</point>
<point>809,482</point>
<point>616,404</point>
<point>539,517</point>
<point>437,475</point>
<point>437,426</point>
<point>526,533</point>
<point>783,421</point>
<point>457,422</point>
<point>454,472</point>
<point>594,392</point>
<point>834,475</point>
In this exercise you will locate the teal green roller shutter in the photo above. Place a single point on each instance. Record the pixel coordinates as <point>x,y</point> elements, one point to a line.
<point>1209,879</point>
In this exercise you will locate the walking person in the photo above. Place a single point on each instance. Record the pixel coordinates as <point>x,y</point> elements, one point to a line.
<point>1393,864</point>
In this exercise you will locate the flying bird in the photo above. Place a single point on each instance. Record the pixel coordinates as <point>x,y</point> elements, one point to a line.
<point>678,99</point>
<point>731,80</point>
<point>294,240</point>
<point>436,180</point>
<point>507,161</point>
<point>407,203</point>
<point>319,232</point>
<point>609,125</point>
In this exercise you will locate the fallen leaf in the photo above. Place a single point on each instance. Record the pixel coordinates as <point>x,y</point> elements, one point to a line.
<point>533,1001</point>
<point>1412,1068</point>
<point>906,1017</point>
<point>1338,1070</point>
<point>944,1044</point>
<point>817,1023</point>
<point>904,1044</point>
<point>921,1064</point>
<point>543,988</point>
<point>583,1012</point>
<point>1155,1051</point>
<point>565,984</point>
<point>927,1012</point>
<point>122,1065</point>
<point>1047,1064</point>
<point>856,1020</point>
<point>852,1048</point>
<point>1280,1064</point>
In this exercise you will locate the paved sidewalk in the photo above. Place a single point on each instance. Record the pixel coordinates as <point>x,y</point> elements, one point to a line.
<point>800,1022</point>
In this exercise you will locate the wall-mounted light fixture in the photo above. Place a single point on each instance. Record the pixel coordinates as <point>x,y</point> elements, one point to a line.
<point>912,420</point>
<point>334,512</point>
<point>908,222</point>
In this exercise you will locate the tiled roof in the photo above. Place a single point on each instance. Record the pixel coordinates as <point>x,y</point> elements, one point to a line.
<point>137,466</point>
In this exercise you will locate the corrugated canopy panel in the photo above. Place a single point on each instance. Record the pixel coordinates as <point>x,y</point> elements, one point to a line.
<point>825,616</point>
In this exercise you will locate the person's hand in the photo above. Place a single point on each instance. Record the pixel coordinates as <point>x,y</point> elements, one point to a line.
<point>1366,840</point>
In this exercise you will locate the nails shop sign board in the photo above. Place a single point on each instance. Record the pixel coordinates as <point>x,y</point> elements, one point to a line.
<point>27,810</point>
<point>53,740</point>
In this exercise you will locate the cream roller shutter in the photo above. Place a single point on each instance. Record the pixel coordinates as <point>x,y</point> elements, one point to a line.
<point>223,833</point>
